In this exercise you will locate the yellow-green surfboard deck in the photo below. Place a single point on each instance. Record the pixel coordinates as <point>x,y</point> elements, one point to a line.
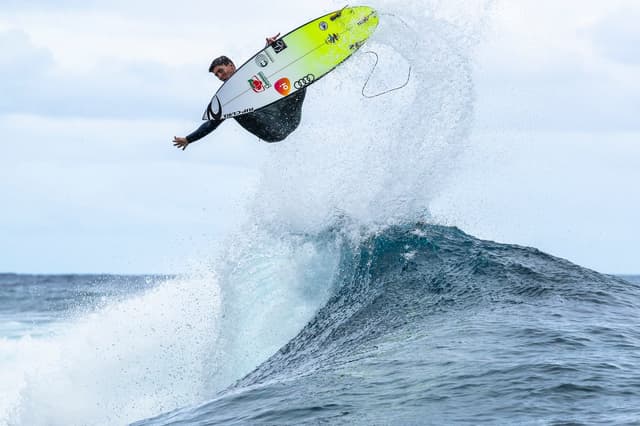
<point>293,62</point>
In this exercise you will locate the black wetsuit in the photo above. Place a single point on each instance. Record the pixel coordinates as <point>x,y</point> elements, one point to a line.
<point>272,123</point>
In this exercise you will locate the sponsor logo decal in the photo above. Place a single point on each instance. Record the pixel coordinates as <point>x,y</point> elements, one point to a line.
<point>262,60</point>
<point>214,115</point>
<point>356,45</point>
<point>332,38</point>
<point>283,86</point>
<point>279,45</point>
<point>236,113</point>
<point>337,14</point>
<point>366,18</point>
<point>323,25</point>
<point>259,83</point>
<point>304,81</point>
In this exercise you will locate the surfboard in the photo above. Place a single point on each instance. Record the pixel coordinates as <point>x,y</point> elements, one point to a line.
<point>293,62</point>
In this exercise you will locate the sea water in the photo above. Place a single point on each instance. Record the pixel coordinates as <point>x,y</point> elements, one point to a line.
<point>419,324</point>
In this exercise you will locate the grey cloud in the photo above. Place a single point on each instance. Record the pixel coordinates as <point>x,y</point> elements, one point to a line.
<point>31,84</point>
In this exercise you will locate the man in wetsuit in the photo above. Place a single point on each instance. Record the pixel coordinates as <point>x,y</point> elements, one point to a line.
<point>272,123</point>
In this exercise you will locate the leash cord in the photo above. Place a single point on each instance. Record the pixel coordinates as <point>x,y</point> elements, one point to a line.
<point>376,64</point>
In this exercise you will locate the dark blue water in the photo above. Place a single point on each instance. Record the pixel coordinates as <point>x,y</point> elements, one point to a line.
<point>28,303</point>
<point>429,325</point>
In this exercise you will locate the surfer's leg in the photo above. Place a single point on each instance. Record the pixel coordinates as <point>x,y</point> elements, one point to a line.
<point>263,124</point>
<point>292,110</point>
<point>275,122</point>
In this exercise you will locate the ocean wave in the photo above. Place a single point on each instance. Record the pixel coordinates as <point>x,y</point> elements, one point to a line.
<point>425,319</point>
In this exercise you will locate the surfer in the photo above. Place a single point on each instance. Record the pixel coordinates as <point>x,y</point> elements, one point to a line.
<point>272,123</point>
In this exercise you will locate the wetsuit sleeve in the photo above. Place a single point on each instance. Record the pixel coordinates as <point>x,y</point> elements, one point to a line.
<point>202,131</point>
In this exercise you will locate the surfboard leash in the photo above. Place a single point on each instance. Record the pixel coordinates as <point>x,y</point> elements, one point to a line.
<point>376,64</point>
<point>371,73</point>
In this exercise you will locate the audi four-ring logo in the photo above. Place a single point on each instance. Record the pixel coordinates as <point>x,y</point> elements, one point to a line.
<point>304,81</point>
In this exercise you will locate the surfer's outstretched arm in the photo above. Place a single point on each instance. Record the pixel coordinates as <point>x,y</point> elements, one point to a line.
<point>202,131</point>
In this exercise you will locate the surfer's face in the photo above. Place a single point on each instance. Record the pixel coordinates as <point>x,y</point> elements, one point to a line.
<point>223,72</point>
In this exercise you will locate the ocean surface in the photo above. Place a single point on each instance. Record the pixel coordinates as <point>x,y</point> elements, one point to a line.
<point>418,324</point>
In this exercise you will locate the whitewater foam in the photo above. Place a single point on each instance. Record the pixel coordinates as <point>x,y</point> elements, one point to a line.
<point>174,345</point>
<point>377,160</point>
<point>117,362</point>
<point>271,286</point>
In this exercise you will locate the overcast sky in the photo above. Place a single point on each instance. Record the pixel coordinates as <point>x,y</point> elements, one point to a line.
<point>92,93</point>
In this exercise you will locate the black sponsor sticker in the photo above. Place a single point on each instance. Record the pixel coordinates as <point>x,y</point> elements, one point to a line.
<point>332,38</point>
<point>279,45</point>
<point>236,113</point>
<point>366,18</point>
<point>356,45</point>
<point>209,113</point>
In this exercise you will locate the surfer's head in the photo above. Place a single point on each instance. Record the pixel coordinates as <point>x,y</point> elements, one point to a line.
<point>222,67</point>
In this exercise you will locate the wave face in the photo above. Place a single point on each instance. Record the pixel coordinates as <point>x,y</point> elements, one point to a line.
<point>428,325</point>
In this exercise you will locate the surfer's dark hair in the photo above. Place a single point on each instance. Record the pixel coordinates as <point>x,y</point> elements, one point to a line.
<point>221,60</point>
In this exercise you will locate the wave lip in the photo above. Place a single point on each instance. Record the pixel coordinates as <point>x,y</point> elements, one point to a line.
<point>426,319</point>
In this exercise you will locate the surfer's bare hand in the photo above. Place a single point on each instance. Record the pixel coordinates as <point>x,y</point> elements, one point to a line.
<point>180,142</point>
<point>270,40</point>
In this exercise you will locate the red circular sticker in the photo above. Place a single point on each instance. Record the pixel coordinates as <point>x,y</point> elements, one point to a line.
<point>283,86</point>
